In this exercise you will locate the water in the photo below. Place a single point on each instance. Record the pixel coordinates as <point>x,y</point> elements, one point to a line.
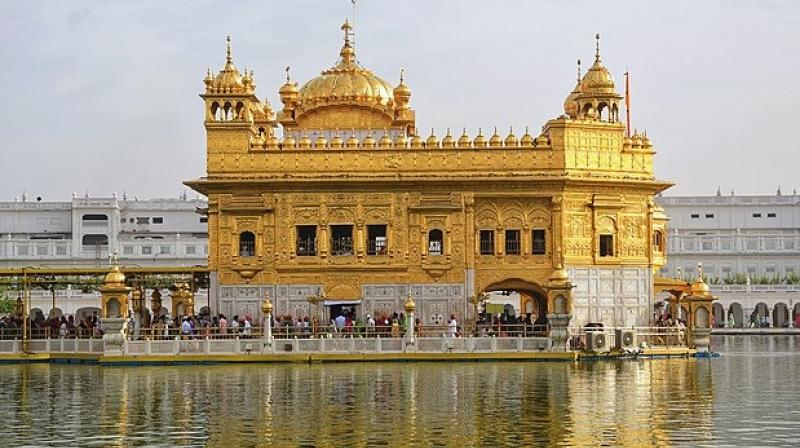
<point>748,397</point>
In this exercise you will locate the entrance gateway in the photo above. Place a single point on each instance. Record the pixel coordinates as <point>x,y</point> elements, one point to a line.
<point>335,189</point>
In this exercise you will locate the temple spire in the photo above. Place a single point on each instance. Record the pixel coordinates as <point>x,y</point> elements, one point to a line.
<point>229,55</point>
<point>597,47</point>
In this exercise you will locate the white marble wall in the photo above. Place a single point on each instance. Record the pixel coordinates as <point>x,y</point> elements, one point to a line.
<point>615,296</point>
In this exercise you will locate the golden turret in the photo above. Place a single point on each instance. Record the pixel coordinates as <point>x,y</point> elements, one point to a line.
<point>527,139</point>
<point>368,142</point>
<point>448,141</point>
<point>352,141</point>
<point>416,141</point>
<point>495,141</point>
<point>432,141</point>
<point>464,141</point>
<point>320,142</point>
<point>480,140</point>
<point>336,141</point>
<point>385,141</point>
<point>511,139</point>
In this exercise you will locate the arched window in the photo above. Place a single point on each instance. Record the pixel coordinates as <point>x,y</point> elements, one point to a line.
<point>658,241</point>
<point>435,242</point>
<point>247,244</point>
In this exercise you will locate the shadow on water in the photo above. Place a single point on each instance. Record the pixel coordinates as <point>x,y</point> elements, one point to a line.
<point>724,401</point>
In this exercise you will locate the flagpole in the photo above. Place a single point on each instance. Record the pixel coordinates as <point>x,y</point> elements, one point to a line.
<point>627,104</point>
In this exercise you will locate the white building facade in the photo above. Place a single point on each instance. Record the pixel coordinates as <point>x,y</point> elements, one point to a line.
<point>749,247</point>
<point>85,232</point>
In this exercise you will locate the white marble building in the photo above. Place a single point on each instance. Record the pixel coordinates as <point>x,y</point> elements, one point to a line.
<point>749,247</point>
<point>84,232</point>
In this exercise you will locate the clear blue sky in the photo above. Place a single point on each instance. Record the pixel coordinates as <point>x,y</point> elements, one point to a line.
<point>103,95</point>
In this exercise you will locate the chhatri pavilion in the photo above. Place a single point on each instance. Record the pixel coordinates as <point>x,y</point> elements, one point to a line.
<point>347,204</point>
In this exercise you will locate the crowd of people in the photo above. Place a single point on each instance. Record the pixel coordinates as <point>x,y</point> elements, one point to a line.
<point>64,326</point>
<point>345,322</point>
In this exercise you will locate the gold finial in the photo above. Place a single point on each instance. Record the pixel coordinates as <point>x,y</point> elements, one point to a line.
<point>288,76</point>
<point>700,270</point>
<point>597,47</point>
<point>229,57</point>
<point>346,27</point>
<point>402,74</point>
<point>579,71</point>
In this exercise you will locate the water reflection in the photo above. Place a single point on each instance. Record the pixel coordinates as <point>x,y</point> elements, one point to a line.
<point>626,403</point>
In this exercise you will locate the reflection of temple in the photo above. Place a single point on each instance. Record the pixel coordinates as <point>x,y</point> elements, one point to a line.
<point>351,203</point>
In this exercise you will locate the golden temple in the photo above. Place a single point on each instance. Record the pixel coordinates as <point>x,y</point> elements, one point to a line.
<point>350,205</point>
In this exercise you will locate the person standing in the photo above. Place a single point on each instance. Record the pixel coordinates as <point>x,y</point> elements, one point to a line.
<point>452,326</point>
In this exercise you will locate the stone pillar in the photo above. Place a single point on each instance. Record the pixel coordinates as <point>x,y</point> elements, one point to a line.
<point>559,331</point>
<point>559,307</point>
<point>114,335</point>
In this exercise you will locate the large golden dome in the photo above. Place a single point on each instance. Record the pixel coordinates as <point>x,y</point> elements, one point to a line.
<point>345,96</point>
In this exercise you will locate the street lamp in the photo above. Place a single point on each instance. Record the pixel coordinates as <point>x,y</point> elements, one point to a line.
<point>410,307</point>
<point>266,308</point>
<point>137,302</point>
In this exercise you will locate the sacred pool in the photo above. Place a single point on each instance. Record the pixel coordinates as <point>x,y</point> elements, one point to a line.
<point>742,398</point>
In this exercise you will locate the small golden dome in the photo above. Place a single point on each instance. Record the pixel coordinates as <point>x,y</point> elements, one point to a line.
<point>288,141</point>
<point>352,141</point>
<point>305,142</point>
<point>400,141</point>
<point>336,141</point>
<point>368,142</point>
<point>495,141</point>
<point>273,142</point>
<point>432,141</point>
<point>636,141</point>
<point>402,93</point>
<point>480,140</point>
<point>598,79</point>
<point>464,141</point>
<point>699,286</point>
<point>288,88</point>
<point>559,275</point>
<point>527,139</point>
<point>320,141</point>
<point>511,139</point>
<point>229,79</point>
<point>416,141</point>
<point>627,142</point>
<point>385,141</point>
<point>114,277</point>
<point>541,141</point>
<point>448,141</point>
<point>410,306</point>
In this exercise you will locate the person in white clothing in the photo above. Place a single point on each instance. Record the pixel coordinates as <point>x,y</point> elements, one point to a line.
<point>452,326</point>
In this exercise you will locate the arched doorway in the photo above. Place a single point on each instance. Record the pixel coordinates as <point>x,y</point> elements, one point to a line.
<point>524,308</point>
<point>735,315</point>
<point>780,315</point>
<point>718,313</point>
<point>760,315</point>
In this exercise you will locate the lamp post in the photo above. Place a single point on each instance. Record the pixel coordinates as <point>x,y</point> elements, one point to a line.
<point>315,300</point>
<point>137,302</point>
<point>410,307</point>
<point>266,308</point>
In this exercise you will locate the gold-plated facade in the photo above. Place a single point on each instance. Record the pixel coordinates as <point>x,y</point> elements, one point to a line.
<point>365,208</point>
